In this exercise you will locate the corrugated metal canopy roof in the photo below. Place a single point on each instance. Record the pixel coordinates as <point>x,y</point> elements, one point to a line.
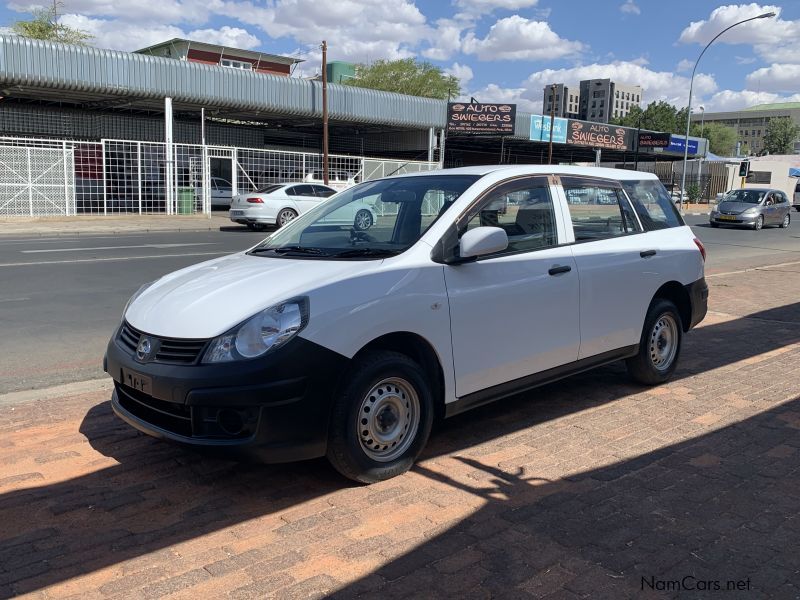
<point>32,67</point>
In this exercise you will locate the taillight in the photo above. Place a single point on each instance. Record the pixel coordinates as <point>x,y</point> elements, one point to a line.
<point>700,247</point>
<point>255,201</point>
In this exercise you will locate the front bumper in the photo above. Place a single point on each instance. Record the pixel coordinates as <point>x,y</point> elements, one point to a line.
<point>739,219</point>
<point>274,409</point>
<point>698,298</point>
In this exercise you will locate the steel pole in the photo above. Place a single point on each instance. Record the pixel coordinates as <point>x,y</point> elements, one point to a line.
<point>324,112</point>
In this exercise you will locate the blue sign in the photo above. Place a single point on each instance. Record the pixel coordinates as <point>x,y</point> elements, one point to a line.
<point>676,144</point>
<point>540,129</point>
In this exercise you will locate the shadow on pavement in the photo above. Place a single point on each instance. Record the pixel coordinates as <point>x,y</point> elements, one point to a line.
<point>161,495</point>
<point>719,508</point>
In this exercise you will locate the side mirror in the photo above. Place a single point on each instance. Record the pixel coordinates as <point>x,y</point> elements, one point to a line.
<point>481,241</point>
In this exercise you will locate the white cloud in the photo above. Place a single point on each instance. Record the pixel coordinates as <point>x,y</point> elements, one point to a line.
<point>486,6</point>
<point>233,37</point>
<point>730,100</point>
<point>744,60</point>
<point>684,66</point>
<point>773,39</point>
<point>517,38</point>
<point>657,85</point>
<point>356,30</point>
<point>525,99</point>
<point>462,72</point>
<point>157,13</point>
<point>445,40</point>
<point>119,35</point>
<point>776,78</point>
<point>629,7</point>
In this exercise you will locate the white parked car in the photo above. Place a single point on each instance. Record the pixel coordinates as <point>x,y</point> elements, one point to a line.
<point>221,192</point>
<point>326,340</point>
<point>279,203</point>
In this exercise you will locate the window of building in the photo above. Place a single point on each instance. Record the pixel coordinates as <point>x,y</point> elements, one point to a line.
<point>236,64</point>
<point>594,104</point>
<point>592,115</point>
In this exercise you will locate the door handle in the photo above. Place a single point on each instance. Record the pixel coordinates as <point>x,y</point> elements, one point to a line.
<point>647,253</point>
<point>558,270</point>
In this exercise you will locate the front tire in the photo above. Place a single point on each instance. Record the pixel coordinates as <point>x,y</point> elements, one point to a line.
<point>759,223</point>
<point>381,418</point>
<point>659,346</point>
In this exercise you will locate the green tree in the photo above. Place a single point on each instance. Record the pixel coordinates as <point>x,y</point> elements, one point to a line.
<point>657,116</point>
<point>781,135</point>
<point>45,26</point>
<point>721,139</point>
<point>407,76</point>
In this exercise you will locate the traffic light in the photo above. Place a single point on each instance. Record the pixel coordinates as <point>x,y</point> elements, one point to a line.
<point>744,168</point>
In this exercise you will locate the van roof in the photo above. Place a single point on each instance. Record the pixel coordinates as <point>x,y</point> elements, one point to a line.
<point>621,174</point>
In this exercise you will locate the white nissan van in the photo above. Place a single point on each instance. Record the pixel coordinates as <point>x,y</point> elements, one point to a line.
<point>474,284</point>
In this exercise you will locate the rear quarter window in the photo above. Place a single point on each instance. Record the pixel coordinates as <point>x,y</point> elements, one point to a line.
<point>653,204</point>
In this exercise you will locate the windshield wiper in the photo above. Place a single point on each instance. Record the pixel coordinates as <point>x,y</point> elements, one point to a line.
<point>290,250</point>
<point>376,252</point>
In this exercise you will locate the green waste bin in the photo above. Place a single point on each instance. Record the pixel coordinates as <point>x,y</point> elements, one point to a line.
<point>185,201</point>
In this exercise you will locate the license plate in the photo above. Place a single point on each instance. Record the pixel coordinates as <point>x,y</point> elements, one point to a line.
<point>237,213</point>
<point>137,381</point>
<point>727,218</point>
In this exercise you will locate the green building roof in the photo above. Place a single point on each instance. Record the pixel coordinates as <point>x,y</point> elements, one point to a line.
<point>776,106</point>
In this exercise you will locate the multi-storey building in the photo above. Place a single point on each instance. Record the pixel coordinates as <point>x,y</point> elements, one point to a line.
<point>566,99</point>
<point>751,123</point>
<point>597,100</point>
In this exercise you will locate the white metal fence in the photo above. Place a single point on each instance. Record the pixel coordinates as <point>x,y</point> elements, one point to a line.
<point>40,177</point>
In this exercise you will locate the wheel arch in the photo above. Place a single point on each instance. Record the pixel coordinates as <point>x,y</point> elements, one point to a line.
<point>677,294</point>
<point>422,352</point>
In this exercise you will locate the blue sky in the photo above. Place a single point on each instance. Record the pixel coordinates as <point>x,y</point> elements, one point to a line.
<point>502,50</point>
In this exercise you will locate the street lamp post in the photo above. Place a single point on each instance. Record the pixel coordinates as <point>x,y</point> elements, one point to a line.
<point>700,160</point>
<point>689,109</point>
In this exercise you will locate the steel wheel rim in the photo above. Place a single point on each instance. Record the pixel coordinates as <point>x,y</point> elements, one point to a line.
<point>363,219</point>
<point>286,216</point>
<point>388,419</point>
<point>663,342</point>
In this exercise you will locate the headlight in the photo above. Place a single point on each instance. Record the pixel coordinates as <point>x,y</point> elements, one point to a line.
<point>136,294</point>
<point>267,330</point>
<point>750,211</point>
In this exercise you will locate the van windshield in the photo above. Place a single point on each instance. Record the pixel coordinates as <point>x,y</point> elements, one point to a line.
<point>375,219</point>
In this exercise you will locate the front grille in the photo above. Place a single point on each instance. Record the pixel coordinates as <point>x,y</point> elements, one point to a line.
<point>172,417</point>
<point>169,350</point>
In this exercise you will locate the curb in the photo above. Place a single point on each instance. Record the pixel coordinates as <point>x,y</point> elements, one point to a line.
<point>62,232</point>
<point>58,391</point>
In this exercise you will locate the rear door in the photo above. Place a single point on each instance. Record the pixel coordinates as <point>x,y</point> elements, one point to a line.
<point>615,260</point>
<point>303,196</point>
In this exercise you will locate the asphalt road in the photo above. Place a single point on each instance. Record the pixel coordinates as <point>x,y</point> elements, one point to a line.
<point>62,297</point>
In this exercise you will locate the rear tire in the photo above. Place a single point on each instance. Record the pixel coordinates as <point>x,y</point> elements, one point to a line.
<point>659,346</point>
<point>363,220</point>
<point>286,215</point>
<point>381,418</point>
<point>786,221</point>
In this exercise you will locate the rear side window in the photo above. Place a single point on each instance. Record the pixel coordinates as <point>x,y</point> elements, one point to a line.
<point>599,211</point>
<point>653,204</point>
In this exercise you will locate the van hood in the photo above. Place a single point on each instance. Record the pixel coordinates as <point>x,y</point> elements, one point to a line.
<point>208,299</point>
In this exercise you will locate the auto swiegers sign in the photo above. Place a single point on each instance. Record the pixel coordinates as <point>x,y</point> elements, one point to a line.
<point>481,119</point>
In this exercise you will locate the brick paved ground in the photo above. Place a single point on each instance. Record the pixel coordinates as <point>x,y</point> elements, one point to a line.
<point>581,489</point>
